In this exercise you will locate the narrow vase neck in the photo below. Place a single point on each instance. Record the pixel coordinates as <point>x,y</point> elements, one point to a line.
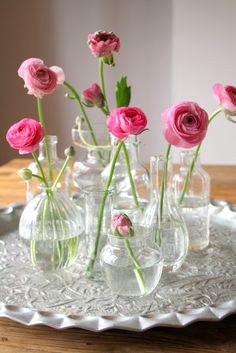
<point>159,165</point>
<point>52,146</point>
<point>132,144</point>
<point>186,158</point>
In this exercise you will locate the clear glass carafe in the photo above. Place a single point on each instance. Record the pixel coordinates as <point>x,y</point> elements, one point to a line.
<point>56,165</point>
<point>96,144</point>
<point>132,269</point>
<point>92,243</point>
<point>195,204</point>
<point>123,201</point>
<point>170,229</point>
<point>50,227</point>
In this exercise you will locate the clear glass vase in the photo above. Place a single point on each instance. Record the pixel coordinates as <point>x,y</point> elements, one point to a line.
<point>50,227</point>
<point>92,242</point>
<point>96,143</point>
<point>56,165</point>
<point>132,269</point>
<point>123,200</point>
<point>195,204</point>
<point>170,229</point>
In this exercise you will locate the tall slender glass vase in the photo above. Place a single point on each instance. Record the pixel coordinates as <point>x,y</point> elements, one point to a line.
<point>87,172</point>
<point>195,203</point>
<point>123,200</point>
<point>93,244</point>
<point>170,229</point>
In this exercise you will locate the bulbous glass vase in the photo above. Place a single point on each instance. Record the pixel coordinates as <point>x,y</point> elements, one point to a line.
<point>56,165</point>
<point>132,268</point>
<point>51,227</point>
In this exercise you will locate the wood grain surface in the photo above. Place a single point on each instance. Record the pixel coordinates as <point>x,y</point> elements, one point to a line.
<point>208,337</point>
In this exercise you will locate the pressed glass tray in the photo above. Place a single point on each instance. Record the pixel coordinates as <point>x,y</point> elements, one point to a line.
<point>203,289</point>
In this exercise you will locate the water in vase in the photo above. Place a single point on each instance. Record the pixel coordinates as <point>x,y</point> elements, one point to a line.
<point>195,211</point>
<point>50,255</point>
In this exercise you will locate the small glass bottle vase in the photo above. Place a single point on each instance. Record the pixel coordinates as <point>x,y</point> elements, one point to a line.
<point>195,203</point>
<point>56,165</point>
<point>132,269</point>
<point>170,229</point>
<point>97,225</point>
<point>123,200</point>
<point>50,227</point>
<point>96,143</point>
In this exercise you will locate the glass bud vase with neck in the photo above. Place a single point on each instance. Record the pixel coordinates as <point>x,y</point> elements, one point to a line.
<point>170,229</point>
<point>50,227</point>
<point>32,186</point>
<point>132,268</point>
<point>123,199</point>
<point>95,225</point>
<point>193,199</point>
<point>96,143</point>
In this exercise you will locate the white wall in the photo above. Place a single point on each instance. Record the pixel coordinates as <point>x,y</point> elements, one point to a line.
<point>204,53</point>
<point>171,50</point>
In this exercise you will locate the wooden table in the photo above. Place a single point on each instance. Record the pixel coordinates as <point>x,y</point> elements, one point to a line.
<point>200,337</point>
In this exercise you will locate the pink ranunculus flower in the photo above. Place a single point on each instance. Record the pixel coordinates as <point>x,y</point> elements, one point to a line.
<point>93,96</point>
<point>185,124</point>
<point>40,79</point>
<point>103,43</point>
<point>122,226</point>
<point>125,121</point>
<point>25,135</point>
<point>226,97</point>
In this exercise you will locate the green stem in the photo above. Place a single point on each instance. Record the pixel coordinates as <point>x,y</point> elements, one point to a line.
<point>130,175</point>
<point>60,173</point>
<point>137,270</point>
<point>190,171</point>
<point>40,167</point>
<point>38,177</point>
<point>103,202</point>
<point>105,112</point>
<point>101,74</point>
<point>85,116</point>
<point>163,182</point>
<point>42,122</point>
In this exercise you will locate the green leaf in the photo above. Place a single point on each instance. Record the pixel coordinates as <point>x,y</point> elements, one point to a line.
<point>123,93</point>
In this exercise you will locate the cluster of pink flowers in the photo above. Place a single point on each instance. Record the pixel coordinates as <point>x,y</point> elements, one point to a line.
<point>185,124</point>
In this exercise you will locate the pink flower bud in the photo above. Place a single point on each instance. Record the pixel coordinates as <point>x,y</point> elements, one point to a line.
<point>103,43</point>
<point>122,226</point>
<point>93,96</point>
